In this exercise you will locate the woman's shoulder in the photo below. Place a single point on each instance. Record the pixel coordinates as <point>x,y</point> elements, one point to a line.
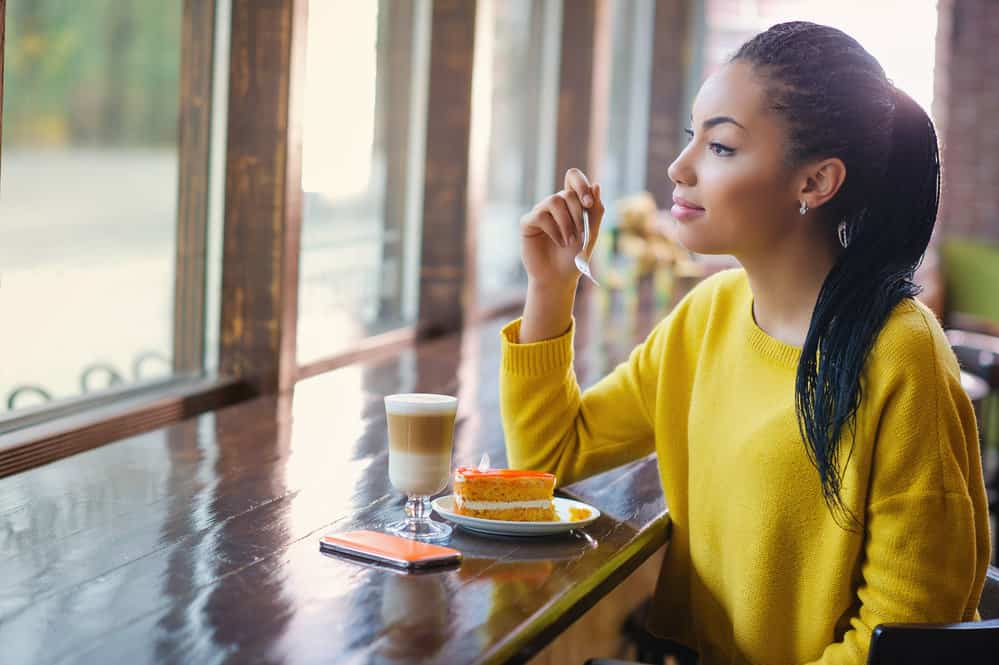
<point>912,345</point>
<point>722,287</point>
<point>718,293</point>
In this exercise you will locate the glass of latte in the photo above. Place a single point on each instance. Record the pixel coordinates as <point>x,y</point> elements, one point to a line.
<point>420,429</point>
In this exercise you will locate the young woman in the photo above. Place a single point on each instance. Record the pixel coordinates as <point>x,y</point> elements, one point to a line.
<point>819,457</point>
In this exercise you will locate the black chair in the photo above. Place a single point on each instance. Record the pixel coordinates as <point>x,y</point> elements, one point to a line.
<point>970,643</point>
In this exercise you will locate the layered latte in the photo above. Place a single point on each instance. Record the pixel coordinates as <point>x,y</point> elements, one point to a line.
<point>420,429</point>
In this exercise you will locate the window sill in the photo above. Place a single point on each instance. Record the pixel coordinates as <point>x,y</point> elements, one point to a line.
<point>44,435</point>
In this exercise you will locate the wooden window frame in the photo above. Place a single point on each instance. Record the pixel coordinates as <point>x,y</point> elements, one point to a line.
<point>262,219</point>
<point>37,436</point>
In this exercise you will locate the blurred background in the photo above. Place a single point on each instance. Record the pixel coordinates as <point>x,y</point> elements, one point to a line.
<point>96,182</point>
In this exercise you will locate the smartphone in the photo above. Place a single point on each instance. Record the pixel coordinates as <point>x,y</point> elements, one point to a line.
<point>384,548</point>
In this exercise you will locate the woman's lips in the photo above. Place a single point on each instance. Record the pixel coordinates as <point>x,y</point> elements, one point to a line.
<point>684,210</point>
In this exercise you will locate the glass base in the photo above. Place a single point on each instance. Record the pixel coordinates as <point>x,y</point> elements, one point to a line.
<point>418,525</point>
<point>426,531</point>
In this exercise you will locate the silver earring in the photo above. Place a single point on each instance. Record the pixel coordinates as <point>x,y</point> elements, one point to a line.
<point>843,233</point>
<point>803,209</point>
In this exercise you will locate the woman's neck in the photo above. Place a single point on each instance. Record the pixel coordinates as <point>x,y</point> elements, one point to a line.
<point>785,283</point>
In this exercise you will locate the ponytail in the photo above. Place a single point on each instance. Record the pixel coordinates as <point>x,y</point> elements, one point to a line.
<point>874,273</point>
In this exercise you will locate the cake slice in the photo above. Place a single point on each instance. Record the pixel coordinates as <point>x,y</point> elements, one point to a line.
<point>504,494</point>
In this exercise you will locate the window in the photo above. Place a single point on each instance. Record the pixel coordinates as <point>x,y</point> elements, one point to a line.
<point>622,169</point>
<point>907,55</point>
<point>89,197</point>
<point>362,171</point>
<point>514,108</point>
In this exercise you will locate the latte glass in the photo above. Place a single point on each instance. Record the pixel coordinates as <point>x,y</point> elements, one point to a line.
<point>420,432</point>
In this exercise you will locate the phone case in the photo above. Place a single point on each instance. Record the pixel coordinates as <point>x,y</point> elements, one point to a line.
<point>388,549</point>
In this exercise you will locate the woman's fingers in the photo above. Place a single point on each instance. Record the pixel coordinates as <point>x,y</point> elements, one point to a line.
<point>541,221</point>
<point>559,210</point>
<point>575,208</point>
<point>576,181</point>
<point>596,217</point>
<point>560,216</point>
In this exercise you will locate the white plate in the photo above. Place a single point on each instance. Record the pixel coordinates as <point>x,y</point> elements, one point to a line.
<point>444,506</point>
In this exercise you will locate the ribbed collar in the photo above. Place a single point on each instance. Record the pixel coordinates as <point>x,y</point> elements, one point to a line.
<point>768,347</point>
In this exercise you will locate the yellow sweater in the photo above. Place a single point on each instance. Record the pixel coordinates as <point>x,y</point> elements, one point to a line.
<point>757,570</point>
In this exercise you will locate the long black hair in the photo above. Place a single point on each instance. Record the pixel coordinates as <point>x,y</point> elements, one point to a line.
<point>835,100</point>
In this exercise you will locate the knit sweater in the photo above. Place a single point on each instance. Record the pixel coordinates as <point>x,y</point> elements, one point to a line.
<point>758,570</point>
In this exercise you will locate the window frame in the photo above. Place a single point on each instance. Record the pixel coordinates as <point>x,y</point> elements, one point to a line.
<point>262,216</point>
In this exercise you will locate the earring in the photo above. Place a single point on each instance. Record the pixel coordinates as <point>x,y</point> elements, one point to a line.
<point>843,233</point>
<point>803,209</point>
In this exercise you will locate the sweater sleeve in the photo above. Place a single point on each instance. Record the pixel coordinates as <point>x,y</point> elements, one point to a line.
<point>551,425</point>
<point>920,567</point>
<point>926,547</point>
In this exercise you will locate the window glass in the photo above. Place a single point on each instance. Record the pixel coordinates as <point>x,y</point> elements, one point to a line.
<point>515,97</point>
<point>365,100</point>
<point>88,196</point>
<point>622,169</point>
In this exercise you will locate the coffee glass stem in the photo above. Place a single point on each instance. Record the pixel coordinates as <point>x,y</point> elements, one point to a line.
<point>418,524</point>
<point>417,508</point>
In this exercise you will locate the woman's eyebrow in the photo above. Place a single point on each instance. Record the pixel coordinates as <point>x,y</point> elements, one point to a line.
<point>721,120</point>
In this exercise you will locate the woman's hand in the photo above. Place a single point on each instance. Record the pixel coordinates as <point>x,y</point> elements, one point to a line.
<point>552,232</point>
<point>550,237</point>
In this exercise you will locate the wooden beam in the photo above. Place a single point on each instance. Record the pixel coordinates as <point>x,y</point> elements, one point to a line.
<point>263,193</point>
<point>584,72</point>
<point>446,273</point>
<point>3,24</point>
<point>194,145</point>
<point>672,46</point>
<point>395,82</point>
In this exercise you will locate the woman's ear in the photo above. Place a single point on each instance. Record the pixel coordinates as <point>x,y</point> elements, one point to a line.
<point>821,181</point>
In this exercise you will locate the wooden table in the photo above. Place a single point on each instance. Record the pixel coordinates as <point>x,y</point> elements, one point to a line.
<point>198,543</point>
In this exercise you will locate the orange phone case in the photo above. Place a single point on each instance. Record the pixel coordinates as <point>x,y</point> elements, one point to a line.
<point>388,549</point>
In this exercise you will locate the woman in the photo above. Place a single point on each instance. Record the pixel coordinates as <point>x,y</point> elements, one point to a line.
<point>819,458</point>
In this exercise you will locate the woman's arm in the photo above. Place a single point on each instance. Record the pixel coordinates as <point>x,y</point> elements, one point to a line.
<point>548,423</point>
<point>550,237</point>
<point>551,425</point>
<point>927,534</point>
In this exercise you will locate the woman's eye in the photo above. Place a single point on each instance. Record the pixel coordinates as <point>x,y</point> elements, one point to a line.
<point>721,150</point>
<point>690,134</point>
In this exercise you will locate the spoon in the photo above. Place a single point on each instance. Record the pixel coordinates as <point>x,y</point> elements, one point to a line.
<point>582,262</point>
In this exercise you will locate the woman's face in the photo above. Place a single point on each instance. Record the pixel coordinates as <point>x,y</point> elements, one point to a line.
<point>734,193</point>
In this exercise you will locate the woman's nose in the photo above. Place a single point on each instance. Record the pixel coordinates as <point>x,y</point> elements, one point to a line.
<point>680,172</point>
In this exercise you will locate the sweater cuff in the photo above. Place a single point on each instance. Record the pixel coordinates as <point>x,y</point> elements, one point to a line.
<point>536,358</point>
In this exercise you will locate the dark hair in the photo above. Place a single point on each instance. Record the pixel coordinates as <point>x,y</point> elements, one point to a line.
<point>836,101</point>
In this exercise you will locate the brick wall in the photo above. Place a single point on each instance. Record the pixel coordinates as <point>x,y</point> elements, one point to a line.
<point>967,112</point>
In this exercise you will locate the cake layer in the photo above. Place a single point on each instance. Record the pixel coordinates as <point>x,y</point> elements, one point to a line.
<point>501,505</point>
<point>513,514</point>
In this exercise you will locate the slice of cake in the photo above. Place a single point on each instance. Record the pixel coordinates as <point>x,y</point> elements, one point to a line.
<point>504,494</point>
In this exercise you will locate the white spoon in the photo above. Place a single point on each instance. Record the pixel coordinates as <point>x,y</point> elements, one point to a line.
<point>582,261</point>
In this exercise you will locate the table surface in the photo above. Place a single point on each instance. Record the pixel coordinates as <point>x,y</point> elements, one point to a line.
<point>198,543</point>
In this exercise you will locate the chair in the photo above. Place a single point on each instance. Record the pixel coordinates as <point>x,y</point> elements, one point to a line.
<point>971,643</point>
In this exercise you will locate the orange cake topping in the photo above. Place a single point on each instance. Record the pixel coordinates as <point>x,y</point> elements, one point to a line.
<point>472,472</point>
